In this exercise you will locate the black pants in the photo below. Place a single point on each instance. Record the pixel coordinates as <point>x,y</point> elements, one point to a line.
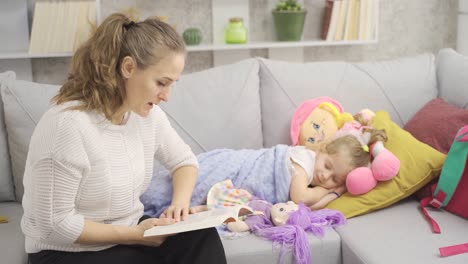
<point>199,246</point>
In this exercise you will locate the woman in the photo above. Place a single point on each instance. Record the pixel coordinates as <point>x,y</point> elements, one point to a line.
<point>91,155</point>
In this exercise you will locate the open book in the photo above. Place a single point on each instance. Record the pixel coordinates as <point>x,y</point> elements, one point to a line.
<point>202,220</point>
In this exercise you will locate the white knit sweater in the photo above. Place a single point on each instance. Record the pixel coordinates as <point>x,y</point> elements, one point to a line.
<point>81,166</point>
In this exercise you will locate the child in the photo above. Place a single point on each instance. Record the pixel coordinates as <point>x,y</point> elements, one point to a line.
<point>276,174</point>
<point>320,177</point>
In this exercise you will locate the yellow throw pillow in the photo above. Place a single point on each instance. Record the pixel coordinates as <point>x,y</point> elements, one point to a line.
<point>419,164</point>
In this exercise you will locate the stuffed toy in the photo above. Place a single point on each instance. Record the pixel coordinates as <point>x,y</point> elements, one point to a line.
<point>320,120</point>
<point>383,167</point>
<point>286,224</point>
<point>316,121</point>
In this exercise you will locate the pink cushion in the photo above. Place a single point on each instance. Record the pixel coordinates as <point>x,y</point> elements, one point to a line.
<point>437,123</point>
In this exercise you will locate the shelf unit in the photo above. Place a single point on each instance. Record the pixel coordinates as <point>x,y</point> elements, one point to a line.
<point>222,10</point>
<point>214,47</point>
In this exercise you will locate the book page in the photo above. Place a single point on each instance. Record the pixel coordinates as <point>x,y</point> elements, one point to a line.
<point>201,220</point>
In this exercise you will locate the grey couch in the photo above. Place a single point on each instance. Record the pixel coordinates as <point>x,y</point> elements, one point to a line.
<point>249,105</point>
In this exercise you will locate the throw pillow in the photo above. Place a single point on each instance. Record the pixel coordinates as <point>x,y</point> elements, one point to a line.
<point>431,126</point>
<point>6,180</point>
<point>24,103</point>
<point>419,164</point>
<point>437,123</point>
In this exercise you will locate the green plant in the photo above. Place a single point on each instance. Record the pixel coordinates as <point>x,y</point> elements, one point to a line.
<point>288,5</point>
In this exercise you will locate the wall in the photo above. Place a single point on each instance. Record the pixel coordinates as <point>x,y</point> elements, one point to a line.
<point>405,28</point>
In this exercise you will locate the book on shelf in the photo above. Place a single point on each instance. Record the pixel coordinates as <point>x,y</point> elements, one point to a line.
<point>349,20</point>
<point>61,26</point>
<point>352,17</point>
<point>333,20</point>
<point>371,19</point>
<point>340,24</point>
<point>201,220</point>
<point>326,18</point>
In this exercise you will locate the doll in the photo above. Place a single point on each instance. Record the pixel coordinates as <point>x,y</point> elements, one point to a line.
<point>316,121</point>
<point>285,224</point>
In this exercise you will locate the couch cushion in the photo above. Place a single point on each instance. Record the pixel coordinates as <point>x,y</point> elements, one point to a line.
<point>24,104</point>
<point>218,107</point>
<point>452,77</point>
<point>252,249</point>
<point>6,177</point>
<point>11,238</point>
<point>419,164</point>
<point>401,87</point>
<point>400,234</point>
<point>437,123</point>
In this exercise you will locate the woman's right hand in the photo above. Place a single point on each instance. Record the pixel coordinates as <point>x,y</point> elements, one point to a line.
<point>152,241</point>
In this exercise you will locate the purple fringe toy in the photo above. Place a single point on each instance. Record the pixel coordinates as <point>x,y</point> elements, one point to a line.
<point>292,235</point>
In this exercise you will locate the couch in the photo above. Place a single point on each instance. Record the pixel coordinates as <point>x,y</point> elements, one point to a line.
<point>249,105</point>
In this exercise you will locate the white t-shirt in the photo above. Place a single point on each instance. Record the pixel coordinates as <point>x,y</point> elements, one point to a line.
<point>305,158</point>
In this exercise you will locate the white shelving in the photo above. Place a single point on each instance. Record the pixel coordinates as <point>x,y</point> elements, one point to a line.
<point>26,55</point>
<point>215,47</point>
<point>222,10</point>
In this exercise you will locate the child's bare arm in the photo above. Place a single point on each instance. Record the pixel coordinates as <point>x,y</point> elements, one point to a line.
<point>299,190</point>
<point>332,195</point>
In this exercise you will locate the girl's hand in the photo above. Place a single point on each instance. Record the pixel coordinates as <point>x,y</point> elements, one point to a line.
<point>176,211</point>
<point>152,241</point>
<point>340,189</point>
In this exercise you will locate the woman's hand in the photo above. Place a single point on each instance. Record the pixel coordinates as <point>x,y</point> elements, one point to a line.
<point>152,241</point>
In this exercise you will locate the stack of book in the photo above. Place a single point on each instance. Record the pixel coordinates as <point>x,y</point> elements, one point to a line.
<point>61,26</point>
<point>349,20</point>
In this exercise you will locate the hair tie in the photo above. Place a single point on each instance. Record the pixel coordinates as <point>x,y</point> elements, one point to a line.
<point>129,25</point>
<point>365,148</point>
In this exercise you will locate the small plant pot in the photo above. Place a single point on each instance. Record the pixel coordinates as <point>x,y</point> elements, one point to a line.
<point>289,25</point>
<point>192,36</point>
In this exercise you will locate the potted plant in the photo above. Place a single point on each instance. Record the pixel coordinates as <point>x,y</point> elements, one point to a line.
<point>289,17</point>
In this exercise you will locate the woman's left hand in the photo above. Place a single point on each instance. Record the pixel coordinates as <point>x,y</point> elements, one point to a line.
<point>176,211</point>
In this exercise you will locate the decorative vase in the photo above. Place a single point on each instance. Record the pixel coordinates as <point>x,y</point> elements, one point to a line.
<point>236,33</point>
<point>192,36</point>
<point>289,24</point>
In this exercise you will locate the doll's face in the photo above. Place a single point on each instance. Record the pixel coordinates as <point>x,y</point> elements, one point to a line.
<point>319,126</point>
<point>280,212</point>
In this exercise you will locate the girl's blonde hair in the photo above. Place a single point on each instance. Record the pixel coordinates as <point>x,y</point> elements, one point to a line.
<point>95,78</point>
<point>348,144</point>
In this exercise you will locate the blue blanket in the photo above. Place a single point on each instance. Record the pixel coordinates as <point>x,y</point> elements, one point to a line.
<point>262,172</point>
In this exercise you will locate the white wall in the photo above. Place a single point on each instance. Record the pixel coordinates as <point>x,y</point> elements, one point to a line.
<point>462,31</point>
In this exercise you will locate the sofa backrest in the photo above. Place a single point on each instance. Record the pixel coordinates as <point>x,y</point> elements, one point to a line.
<point>24,103</point>
<point>452,77</point>
<point>401,87</point>
<point>249,104</point>
<point>218,107</point>
<point>6,177</point>
<point>215,108</point>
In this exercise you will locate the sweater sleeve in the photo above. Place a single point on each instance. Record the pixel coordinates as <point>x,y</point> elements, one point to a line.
<point>58,163</point>
<point>171,151</point>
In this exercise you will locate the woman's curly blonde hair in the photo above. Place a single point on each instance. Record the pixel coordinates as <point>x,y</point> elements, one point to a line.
<point>95,78</point>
